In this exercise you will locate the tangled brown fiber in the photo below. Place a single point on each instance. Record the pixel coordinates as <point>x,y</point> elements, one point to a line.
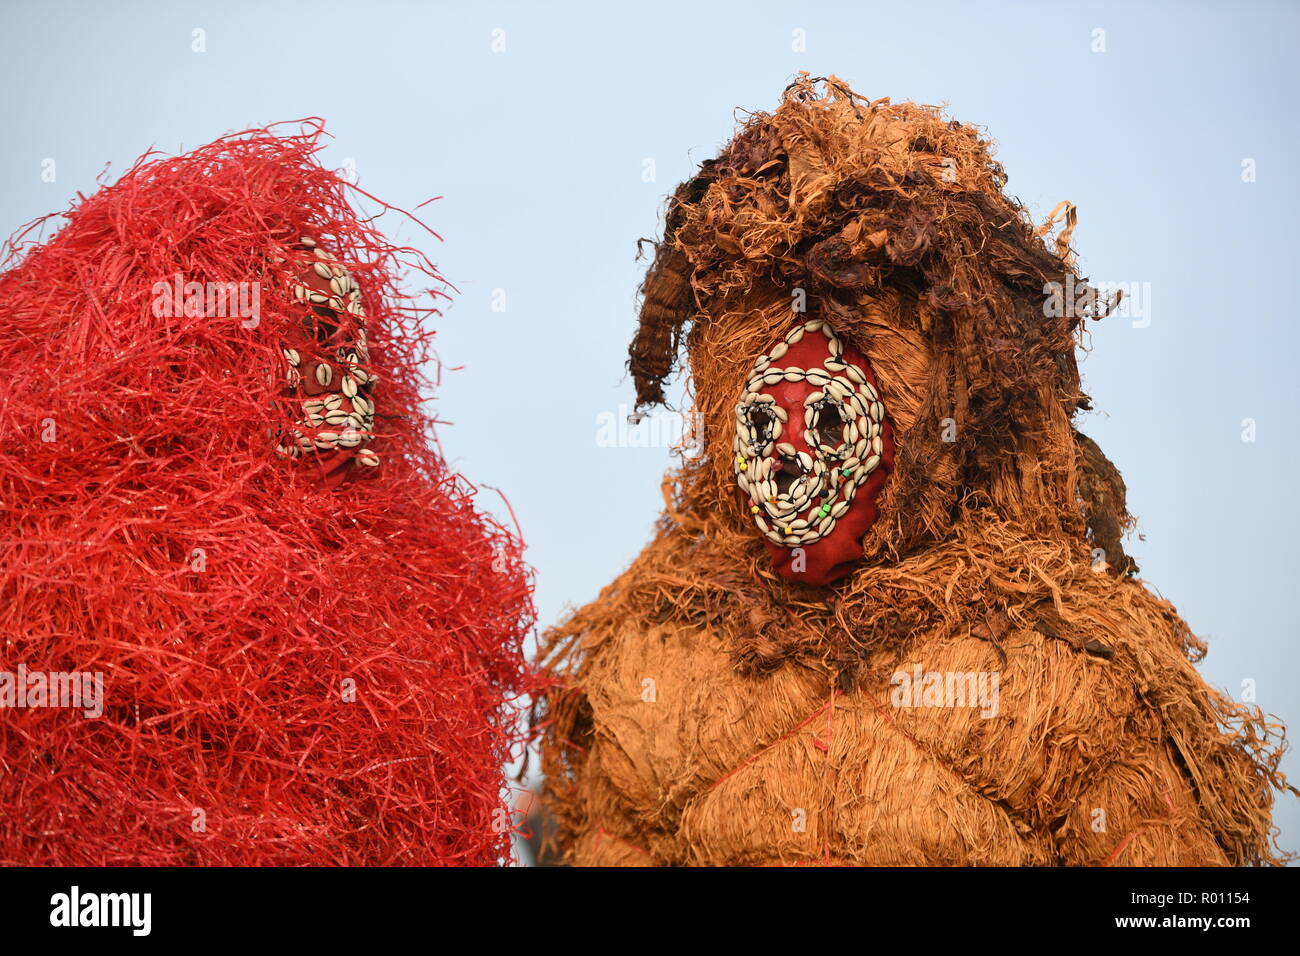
<point>709,711</point>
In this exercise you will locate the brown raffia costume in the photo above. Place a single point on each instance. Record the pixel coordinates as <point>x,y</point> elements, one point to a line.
<point>708,711</point>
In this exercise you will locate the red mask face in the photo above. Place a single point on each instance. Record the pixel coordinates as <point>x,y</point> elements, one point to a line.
<point>813,449</point>
<point>327,379</point>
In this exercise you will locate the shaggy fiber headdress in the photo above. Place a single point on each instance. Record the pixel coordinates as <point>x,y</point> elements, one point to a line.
<point>891,223</point>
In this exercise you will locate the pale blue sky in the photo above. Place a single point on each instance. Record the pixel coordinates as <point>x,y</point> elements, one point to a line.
<point>539,151</point>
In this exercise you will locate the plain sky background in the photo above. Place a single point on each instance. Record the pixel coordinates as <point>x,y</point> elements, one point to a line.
<point>539,150</point>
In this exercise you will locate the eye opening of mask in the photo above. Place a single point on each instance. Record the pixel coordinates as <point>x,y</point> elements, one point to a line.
<point>828,424</point>
<point>761,418</point>
<point>759,423</point>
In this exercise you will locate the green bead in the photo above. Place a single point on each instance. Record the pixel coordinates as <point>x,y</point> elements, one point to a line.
<point>846,472</point>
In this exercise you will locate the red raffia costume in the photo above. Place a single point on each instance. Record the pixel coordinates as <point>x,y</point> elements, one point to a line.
<point>299,666</point>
